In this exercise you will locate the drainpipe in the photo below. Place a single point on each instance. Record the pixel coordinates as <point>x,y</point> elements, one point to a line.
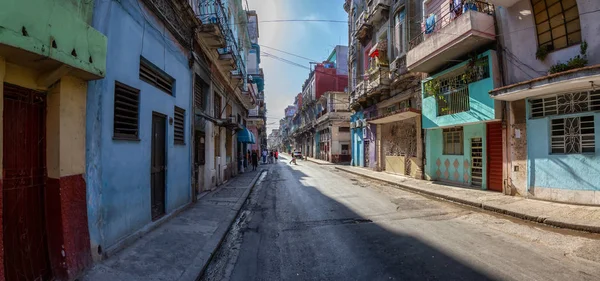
<point>194,176</point>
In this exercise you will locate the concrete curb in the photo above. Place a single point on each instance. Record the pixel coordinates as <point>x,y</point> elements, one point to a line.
<point>200,263</point>
<point>319,163</point>
<point>482,205</point>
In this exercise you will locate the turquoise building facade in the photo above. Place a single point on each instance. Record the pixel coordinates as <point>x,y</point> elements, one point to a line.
<point>463,133</point>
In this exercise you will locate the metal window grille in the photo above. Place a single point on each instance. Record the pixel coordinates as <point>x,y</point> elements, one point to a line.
<point>565,104</point>
<point>150,74</point>
<point>573,135</point>
<point>126,112</point>
<point>179,126</point>
<point>453,141</point>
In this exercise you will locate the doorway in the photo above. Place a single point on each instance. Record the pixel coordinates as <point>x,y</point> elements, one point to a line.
<point>494,156</point>
<point>158,169</point>
<point>26,254</point>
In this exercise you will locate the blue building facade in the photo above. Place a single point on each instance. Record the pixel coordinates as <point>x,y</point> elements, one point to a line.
<point>357,141</point>
<point>138,151</point>
<point>460,119</point>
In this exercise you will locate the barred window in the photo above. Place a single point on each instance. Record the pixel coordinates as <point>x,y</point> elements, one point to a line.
<point>453,141</point>
<point>573,135</point>
<point>565,104</point>
<point>557,23</point>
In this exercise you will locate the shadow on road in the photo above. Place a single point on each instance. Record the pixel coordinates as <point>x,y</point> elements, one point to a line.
<point>292,231</point>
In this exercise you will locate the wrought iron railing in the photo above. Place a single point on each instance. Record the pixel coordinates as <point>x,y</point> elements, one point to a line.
<point>214,12</point>
<point>443,17</point>
<point>452,102</point>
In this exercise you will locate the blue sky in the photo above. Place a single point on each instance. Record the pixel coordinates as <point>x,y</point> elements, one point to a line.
<point>314,40</point>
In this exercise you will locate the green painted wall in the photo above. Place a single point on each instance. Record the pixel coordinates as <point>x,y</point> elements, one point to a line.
<point>453,167</point>
<point>67,22</point>
<point>482,106</point>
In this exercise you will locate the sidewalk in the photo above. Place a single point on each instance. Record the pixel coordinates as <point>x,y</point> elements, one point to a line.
<point>576,217</point>
<point>319,161</point>
<point>180,248</point>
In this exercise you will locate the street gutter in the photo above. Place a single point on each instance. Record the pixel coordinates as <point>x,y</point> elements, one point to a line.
<point>201,261</point>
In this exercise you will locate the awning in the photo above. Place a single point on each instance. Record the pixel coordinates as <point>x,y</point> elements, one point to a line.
<point>573,80</point>
<point>395,116</point>
<point>245,136</point>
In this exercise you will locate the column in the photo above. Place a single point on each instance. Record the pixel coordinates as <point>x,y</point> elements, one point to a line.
<point>2,74</point>
<point>68,236</point>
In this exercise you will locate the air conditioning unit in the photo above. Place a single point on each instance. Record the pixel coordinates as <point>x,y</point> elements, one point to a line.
<point>358,123</point>
<point>352,125</point>
<point>232,119</point>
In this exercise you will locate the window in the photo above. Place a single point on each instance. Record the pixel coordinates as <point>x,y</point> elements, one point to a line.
<point>198,92</point>
<point>565,104</point>
<point>344,129</point>
<point>399,33</point>
<point>453,141</point>
<point>345,148</point>
<point>178,125</point>
<point>573,135</point>
<point>217,104</point>
<point>126,112</point>
<point>152,75</point>
<point>200,148</point>
<point>557,23</point>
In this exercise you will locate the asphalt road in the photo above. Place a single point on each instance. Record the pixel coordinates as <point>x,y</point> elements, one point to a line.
<point>312,222</point>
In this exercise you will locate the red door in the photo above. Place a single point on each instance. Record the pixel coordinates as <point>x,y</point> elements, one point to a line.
<point>24,158</point>
<point>494,156</point>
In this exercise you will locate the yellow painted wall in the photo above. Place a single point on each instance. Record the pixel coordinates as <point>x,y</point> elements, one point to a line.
<point>65,129</point>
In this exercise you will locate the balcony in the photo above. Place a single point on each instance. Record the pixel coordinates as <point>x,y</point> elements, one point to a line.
<point>452,36</point>
<point>503,3</point>
<point>379,81</point>
<point>211,16</point>
<point>377,10</point>
<point>363,29</point>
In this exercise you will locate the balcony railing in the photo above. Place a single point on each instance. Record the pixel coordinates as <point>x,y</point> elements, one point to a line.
<point>444,18</point>
<point>453,102</point>
<point>214,12</point>
<point>379,79</point>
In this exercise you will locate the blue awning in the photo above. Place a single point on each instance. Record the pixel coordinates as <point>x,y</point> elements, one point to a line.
<point>245,136</point>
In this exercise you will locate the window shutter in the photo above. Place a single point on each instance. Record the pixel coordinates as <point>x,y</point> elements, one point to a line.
<point>126,112</point>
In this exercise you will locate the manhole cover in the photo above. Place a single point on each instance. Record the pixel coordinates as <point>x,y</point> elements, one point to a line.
<point>229,192</point>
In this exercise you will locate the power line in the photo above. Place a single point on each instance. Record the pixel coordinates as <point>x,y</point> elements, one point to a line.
<point>291,54</point>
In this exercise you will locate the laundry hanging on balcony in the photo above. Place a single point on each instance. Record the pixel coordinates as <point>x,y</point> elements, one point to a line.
<point>260,83</point>
<point>430,24</point>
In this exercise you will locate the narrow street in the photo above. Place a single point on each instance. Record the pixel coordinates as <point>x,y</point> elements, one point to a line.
<point>313,222</point>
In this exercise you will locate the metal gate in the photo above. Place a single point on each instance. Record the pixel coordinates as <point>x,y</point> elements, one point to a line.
<point>24,158</point>
<point>158,175</point>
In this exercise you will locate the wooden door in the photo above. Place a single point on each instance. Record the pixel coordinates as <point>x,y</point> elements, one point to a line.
<point>24,156</point>
<point>158,169</point>
<point>494,156</point>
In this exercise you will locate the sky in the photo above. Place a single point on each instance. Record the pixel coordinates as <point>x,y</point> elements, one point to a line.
<point>313,40</point>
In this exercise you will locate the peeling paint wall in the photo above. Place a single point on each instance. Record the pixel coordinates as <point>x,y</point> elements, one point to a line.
<point>117,171</point>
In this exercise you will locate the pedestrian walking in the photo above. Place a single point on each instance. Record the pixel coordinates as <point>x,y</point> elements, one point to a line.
<point>264,156</point>
<point>276,155</point>
<point>293,158</point>
<point>271,157</point>
<point>254,160</point>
